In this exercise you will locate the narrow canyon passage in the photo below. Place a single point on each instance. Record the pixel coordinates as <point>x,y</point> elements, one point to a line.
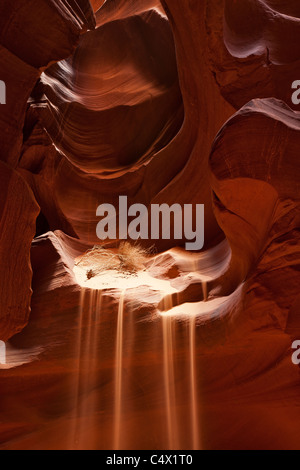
<point>149,224</point>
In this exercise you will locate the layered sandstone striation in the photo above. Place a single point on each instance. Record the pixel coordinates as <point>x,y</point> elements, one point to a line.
<point>27,47</point>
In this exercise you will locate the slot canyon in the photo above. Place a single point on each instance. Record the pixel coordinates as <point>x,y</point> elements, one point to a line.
<point>142,343</point>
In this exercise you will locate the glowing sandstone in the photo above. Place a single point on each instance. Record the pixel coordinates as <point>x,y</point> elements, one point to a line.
<point>155,143</point>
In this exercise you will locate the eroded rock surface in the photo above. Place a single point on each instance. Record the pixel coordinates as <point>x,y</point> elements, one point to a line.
<point>166,102</point>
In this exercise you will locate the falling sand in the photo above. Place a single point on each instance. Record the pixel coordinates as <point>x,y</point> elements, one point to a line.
<point>118,374</point>
<point>117,283</point>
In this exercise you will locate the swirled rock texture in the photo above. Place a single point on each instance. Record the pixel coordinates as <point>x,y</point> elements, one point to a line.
<point>165,102</point>
<point>27,46</point>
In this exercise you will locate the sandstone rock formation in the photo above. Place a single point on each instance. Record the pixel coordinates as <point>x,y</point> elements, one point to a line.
<point>165,102</point>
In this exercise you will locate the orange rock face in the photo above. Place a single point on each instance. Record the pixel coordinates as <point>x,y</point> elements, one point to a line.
<point>166,103</point>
